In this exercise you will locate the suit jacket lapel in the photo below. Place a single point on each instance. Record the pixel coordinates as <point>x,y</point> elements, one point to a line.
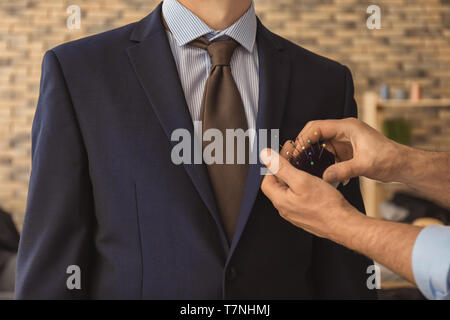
<point>155,68</point>
<point>273,89</point>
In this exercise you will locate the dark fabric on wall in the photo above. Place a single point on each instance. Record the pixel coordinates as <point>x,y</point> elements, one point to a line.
<point>9,236</point>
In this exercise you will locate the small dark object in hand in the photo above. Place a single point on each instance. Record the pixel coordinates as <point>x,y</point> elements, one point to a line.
<point>314,160</point>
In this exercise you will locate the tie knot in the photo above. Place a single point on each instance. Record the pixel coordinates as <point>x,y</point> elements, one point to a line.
<point>220,52</point>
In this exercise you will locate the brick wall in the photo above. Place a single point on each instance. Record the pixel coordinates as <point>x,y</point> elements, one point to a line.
<point>413,45</point>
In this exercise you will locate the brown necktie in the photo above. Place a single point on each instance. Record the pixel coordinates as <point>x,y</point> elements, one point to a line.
<point>222,108</point>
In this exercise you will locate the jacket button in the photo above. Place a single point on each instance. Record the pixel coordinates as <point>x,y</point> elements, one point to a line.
<point>232,274</point>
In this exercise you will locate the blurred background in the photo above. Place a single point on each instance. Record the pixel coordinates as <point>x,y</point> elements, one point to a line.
<point>401,72</point>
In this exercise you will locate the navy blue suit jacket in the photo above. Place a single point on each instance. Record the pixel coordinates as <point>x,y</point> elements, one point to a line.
<point>105,195</point>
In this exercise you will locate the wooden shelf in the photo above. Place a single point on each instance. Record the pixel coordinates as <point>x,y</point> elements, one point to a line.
<point>424,103</point>
<point>397,284</point>
<point>372,114</point>
<point>390,184</point>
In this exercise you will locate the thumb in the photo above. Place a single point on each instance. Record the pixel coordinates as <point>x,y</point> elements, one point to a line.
<point>278,166</point>
<point>341,171</point>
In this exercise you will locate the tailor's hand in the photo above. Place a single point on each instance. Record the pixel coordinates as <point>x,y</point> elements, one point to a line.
<point>360,149</point>
<point>304,200</point>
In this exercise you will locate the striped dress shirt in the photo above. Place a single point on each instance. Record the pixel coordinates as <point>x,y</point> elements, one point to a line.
<point>194,64</point>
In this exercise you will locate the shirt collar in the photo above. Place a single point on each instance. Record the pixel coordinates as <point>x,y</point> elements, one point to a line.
<point>186,26</point>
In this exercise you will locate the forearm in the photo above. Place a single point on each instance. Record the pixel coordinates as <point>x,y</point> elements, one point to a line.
<point>389,243</point>
<point>426,172</point>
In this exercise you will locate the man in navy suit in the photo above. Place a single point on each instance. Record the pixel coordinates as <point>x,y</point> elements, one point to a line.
<point>110,215</point>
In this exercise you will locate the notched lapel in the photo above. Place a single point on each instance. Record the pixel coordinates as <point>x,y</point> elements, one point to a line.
<point>153,63</point>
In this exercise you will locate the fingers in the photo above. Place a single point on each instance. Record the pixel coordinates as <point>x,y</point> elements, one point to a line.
<point>342,171</point>
<point>320,130</point>
<point>289,150</point>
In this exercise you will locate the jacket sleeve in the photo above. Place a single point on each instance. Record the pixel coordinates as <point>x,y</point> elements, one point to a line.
<point>57,231</point>
<point>340,272</point>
